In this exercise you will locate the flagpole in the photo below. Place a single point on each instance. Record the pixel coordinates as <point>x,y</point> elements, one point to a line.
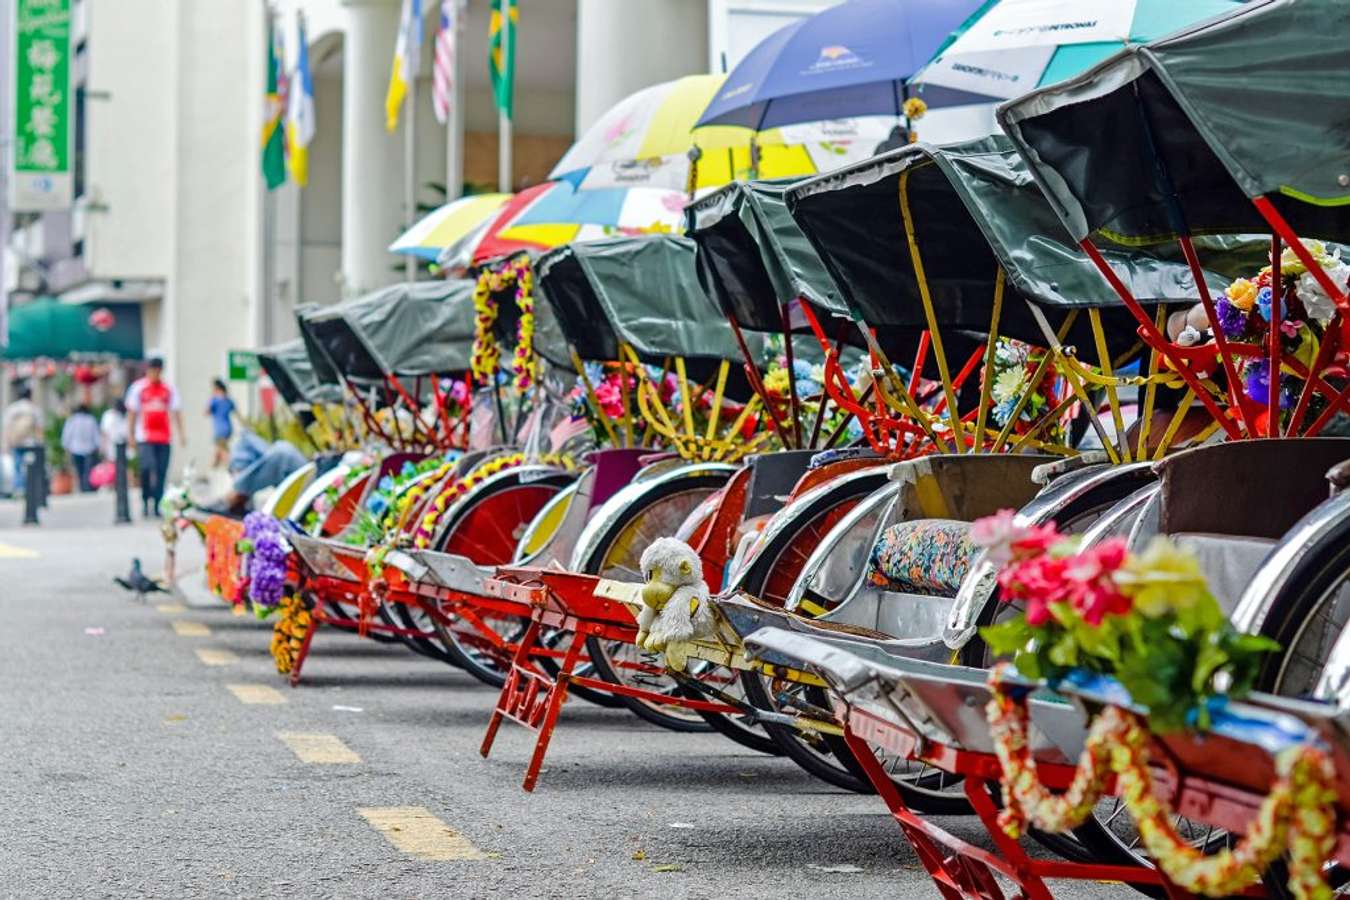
<point>504,180</point>
<point>410,167</point>
<point>454,122</point>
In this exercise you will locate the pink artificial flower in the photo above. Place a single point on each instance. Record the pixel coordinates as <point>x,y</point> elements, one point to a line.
<point>610,398</point>
<point>1039,581</point>
<point>1091,589</point>
<point>1005,540</point>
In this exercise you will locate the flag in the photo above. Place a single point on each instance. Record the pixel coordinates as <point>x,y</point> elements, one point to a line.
<point>273,142</point>
<point>443,69</point>
<point>300,112</point>
<point>406,52</point>
<point>502,54</point>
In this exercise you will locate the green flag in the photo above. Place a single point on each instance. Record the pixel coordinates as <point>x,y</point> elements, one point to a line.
<point>273,134</point>
<point>502,54</point>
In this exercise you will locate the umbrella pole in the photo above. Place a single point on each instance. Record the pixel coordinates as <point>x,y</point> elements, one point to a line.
<point>792,374</point>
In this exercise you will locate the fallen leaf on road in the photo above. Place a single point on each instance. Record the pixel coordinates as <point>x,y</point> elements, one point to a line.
<point>668,867</point>
<point>175,717</point>
<point>840,869</point>
<point>639,854</point>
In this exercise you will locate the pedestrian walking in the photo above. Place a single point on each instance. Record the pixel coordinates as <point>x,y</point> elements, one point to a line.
<point>221,409</point>
<point>113,428</point>
<point>80,438</point>
<point>22,430</point>
<point>154,411</point>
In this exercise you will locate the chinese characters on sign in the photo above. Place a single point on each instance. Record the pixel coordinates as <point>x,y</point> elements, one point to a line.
<point>41,157</point>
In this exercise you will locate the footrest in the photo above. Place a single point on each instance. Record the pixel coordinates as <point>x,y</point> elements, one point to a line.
<point>525,697</point>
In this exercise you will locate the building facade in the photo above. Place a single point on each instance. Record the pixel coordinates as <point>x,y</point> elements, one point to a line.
<point>170,209</point>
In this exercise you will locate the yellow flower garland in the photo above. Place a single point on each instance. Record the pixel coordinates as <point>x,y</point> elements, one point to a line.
<point>1296,815</point>
<point>486,356</point>
<point>288,632</point>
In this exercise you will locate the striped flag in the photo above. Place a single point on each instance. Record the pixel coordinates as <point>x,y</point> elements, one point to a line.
<point>300,112</point>
<point>407,51</point>
<point>443,75</point>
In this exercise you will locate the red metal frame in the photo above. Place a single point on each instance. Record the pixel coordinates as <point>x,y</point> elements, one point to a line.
<point>532,698</point>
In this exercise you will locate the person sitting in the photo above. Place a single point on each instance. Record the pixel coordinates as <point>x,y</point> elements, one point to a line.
<point>257,465</point>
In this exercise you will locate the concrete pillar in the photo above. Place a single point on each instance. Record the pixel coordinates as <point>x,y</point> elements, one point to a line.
<point>660,40</point>
<point>372,157</point>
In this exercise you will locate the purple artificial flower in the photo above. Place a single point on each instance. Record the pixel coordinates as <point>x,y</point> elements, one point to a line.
<point>267,563</point>
<point>1232,320</point>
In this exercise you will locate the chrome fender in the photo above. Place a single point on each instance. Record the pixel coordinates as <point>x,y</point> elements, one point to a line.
<point>614,508</point>
<point>978,586</point>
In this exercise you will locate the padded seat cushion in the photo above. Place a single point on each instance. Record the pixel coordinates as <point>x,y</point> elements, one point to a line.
<point>923,556</point>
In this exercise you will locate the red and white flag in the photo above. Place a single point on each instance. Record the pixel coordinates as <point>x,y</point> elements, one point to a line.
<point>443,69</point>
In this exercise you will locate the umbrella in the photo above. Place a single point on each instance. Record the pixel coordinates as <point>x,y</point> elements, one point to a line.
<point>500,236</point>
<point>644,141</point>
<point>1014,46</point>
<point>448,224</point>
<point>849,60</point>
<point>626,209</point>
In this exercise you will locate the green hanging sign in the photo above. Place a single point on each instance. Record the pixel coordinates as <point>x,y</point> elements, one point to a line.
<point>42,128</point>
<point>243,365</point>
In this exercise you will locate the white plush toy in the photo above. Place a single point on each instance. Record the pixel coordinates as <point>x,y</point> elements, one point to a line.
<point>675,606</point>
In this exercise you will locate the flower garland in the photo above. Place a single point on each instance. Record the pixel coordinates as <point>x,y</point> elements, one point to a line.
<point>265,552</point>
<point>426,527</point>
<point>1015,364</point>
<point>288,634</point>
<point>486,355</point>
<point>223,562</point>
<point>1296,815</point>
<point>1147,620</point>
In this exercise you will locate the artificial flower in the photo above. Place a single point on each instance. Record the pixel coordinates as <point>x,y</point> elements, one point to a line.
<point>1242,294</point>
<point>1232,321</point>
<point>1164,579</point>
<point>915,108</point>
<point>1005,540</point>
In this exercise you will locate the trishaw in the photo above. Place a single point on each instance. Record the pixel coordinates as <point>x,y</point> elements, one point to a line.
<point>1146,145</point>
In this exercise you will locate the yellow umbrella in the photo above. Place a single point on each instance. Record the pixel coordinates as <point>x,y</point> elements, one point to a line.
<point>448,224</point>
<point>644,141</point>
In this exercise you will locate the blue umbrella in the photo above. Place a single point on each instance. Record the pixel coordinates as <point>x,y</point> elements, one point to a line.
<point>849,60</point>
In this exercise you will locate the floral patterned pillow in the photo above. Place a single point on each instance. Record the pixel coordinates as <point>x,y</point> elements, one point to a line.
<point>925,556</point>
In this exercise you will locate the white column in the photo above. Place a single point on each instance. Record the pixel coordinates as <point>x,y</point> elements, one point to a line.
<point>372,157</point>
<point>670,41</point>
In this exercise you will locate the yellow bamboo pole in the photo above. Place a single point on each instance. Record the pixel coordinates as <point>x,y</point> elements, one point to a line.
<point>715,415</point>
<point>591,398</point>
<point>1037,375</point>
<point>982,417</point>
<point>1184,407</point>
<point>1112,399</point>
<point>930,314</point>
<point>1150,390</point>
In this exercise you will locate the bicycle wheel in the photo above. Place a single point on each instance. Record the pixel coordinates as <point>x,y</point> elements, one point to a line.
<point>651,510</point>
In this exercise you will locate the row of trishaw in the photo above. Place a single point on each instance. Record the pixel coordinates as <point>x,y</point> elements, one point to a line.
<point>811,474</point>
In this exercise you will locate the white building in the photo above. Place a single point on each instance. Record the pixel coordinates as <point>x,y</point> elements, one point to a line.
<point>171,210</point>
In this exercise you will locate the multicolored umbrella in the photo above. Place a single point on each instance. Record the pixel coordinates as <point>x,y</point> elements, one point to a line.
<point>448,224</point>
<point>852,59</point>
<point>638,209</point>
<point>644,141</point>
<point>506,232</point>
<point>1014,46</point>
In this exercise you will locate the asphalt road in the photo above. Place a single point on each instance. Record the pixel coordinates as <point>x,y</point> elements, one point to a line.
<point>129,768</point>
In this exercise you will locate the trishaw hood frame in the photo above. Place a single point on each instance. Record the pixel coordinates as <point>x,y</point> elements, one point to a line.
<point>1229,103</point>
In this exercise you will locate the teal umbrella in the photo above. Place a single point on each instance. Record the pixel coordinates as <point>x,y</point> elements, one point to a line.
<point>1013,46</point>
<point>48,328</point>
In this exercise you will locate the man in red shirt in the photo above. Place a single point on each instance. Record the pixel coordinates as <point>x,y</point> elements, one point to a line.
<point>153,413</point>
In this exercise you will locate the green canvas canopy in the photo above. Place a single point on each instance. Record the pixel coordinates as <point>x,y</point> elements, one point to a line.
<point>753,258</point>
<point>406,329</point>
<point>642,291</point>
<point>290,370</point>
<point>48,328</point>
<point>975,208</point>
<point>1176,135</point>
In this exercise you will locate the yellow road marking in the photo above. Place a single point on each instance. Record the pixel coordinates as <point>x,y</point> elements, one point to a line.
<point>415,831</point>
<point>184,628</point>
<point>170,609</point>
<point>323,749</point>
<point>258,694</point>
<point>9,551</point>
<point>213,657</point>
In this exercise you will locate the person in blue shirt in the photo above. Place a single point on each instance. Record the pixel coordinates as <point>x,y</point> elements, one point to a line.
<point>221,410</point>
